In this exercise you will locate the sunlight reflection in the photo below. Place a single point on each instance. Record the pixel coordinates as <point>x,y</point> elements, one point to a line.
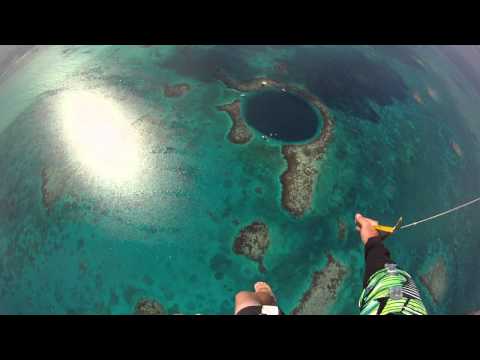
<point>99,131</point>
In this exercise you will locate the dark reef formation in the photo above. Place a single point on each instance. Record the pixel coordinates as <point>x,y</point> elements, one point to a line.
<point>220,265</point>
<point>348,79</point>
<point>281,67</point>
<point>201,63</point>
<point>323,291</point>
<point>342,229</point>
<point>303,159</point>
<point>253,242</point>
<point>435,280</point>
<point>176,90</point>
<point>47,198</point>
<point>239,132</point>
<point>149,307</point>
<point>53,186</point>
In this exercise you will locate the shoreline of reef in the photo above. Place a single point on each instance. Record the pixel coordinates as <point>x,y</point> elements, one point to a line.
<point>239,132</point>
<point>252,242</point>
<point>323,290</point>
<point>177,90</point>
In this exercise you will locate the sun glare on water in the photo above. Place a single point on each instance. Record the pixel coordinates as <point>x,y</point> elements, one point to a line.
<point>98,130</point>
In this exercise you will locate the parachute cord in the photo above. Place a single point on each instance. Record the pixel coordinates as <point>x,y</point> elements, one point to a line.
<point>441,214</point>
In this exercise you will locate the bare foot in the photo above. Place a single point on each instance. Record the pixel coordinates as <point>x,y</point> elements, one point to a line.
<point>265,293</point>
<point>261,286</point>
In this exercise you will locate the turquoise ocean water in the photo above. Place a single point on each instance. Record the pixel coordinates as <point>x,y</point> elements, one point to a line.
<point>161,223</point>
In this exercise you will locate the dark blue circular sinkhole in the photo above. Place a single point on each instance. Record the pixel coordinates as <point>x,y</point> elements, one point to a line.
<point>281,115</point>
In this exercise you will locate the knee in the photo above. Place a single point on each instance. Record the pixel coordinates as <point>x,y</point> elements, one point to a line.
<point>241,295</point>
